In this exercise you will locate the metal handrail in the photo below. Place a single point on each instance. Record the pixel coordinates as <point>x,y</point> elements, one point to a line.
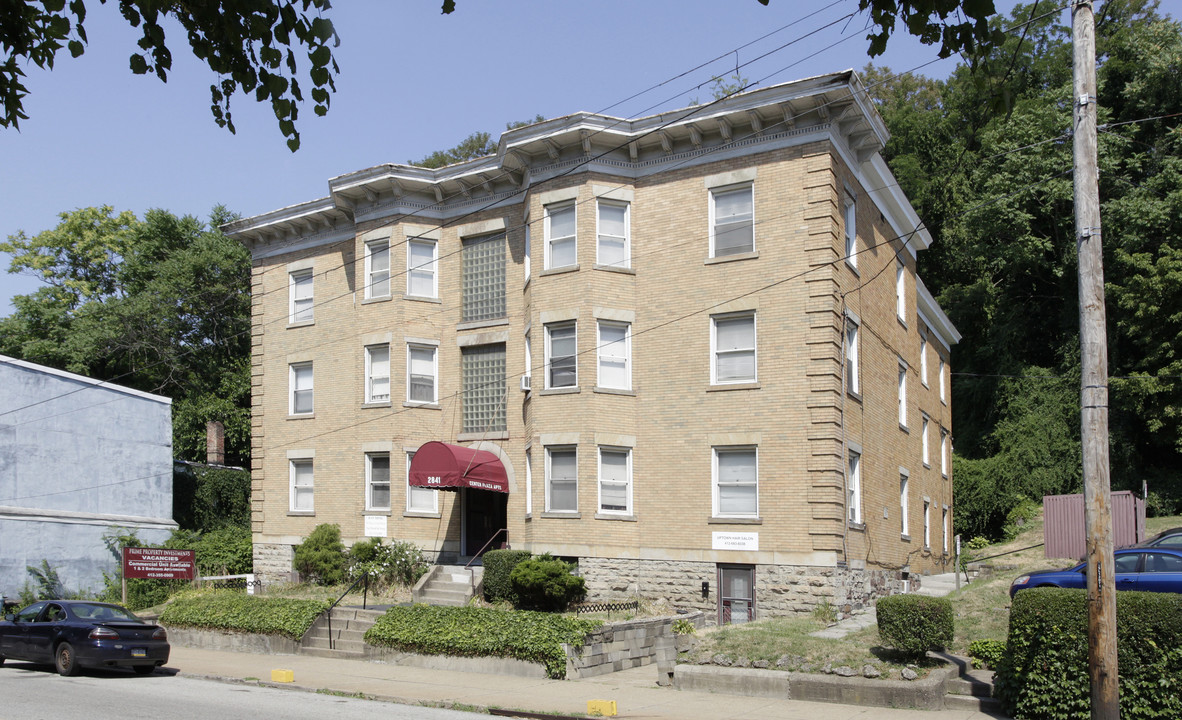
<point>332,645</point>
<point>470,569</point>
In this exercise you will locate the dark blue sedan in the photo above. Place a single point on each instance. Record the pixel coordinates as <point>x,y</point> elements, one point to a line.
<point>1156,569</point>
<point>73,634</point>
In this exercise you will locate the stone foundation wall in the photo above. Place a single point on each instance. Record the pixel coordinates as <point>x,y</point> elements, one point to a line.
<point>272,563</point>
<point>857,589</point>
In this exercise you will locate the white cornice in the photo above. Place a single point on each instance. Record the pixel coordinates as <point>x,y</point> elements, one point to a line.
<point>932,316</point>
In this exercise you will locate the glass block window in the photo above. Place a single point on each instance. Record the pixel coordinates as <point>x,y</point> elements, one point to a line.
<point>483,368</point>
<point>484,278</point>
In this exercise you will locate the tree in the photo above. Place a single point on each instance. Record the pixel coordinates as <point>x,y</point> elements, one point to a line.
<point>249,44</point>
<point>478,144</point>
<point>160,304</point>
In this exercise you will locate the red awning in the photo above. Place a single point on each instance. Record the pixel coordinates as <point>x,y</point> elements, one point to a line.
<point>449,467</point>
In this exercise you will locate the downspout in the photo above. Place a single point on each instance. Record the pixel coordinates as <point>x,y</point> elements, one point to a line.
<point>843,461</point>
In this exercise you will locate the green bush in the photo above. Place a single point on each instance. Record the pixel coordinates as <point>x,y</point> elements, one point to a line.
<point>320,558</point>
<point>1020,516</point>
<point>399,563</point>
<point>236,612</point>
<point>989,652</point>
<point>1044,672</point>
<point>481,632</point>
<point>498,566</point>
<point>546,583</point>
<point>914,624</point>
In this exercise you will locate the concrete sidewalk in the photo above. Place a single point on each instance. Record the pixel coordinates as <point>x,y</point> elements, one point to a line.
<point>635,691</point>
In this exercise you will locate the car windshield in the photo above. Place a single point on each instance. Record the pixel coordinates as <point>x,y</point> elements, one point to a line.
<point>95,611</point>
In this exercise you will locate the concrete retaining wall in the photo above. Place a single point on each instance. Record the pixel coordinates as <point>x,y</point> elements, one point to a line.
<point>486,665</point>
<point>628,644</point>
<point>232,641</point>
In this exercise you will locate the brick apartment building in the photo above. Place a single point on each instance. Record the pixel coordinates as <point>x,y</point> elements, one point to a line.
<point>688,350</point>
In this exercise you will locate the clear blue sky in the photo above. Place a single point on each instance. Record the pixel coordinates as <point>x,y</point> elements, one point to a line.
<point>412,81</point>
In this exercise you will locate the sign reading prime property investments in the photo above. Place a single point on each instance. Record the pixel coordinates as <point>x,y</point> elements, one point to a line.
<point>159,563</point>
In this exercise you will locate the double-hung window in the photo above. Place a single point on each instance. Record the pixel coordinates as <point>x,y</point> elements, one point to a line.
<point>943,398</point>
<point>615,365</point>
<point>420,373</point>
<point>561,246</point>
<point>923,438</point>
<point>903,501</point>
<point>733,340</point>
<point>561,356</point>
<point>923,359</point>
<point>300,296</point>
<point>736,482</point>
<point>901,290</point>
<point>732,226</point>
<point>612,249</point>
<point>854,488</point>
<point>421,264</point>
<point>902,395</point>
<point>377,269</point>
<point>851,356</point>
<point>927,523</point>
<point>615,480</point>
<point>851,231</point>
<point>944,527</point>
<point>300,381</point>
<point>377,481</point>
<point>419,499</point>
<point>377,373</point>
<point>562,479</point>
<point>944,452</point>
<point>301,485</point>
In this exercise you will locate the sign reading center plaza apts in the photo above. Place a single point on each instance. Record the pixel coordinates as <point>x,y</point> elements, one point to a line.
<point>159,563</point>
<point>735,541</point>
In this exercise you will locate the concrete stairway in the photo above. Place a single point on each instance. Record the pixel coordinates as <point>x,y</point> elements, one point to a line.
<point>972,689</point>
<point>449,585</point>
<point>348,633</point>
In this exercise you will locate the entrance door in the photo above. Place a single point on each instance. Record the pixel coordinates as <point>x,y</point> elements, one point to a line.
<point>485,512</point>
<point>736,594</point>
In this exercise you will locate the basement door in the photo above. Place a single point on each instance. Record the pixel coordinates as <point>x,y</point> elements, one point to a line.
<point>736,594</point>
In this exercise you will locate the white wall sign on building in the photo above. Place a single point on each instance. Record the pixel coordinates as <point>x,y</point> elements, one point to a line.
<point>375,526</point>
<point>735,541</point>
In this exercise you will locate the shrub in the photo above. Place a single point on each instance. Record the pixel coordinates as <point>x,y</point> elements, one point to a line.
<point>399,562</point>
<point>1020,516</point>
<point>498,566</point>
<point>682,626</point>
<point>546,583</point>
<point>321,557</point>
<point>1044,672</point>
<point>481,632</point>
<point>988,652</point>
<point>234,611</point>
<point>914,624</point>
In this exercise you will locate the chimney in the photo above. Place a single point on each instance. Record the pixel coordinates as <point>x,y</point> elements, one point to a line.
<point>215,443</point>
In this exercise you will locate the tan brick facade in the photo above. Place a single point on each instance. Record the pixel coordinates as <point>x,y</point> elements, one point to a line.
<point>791,156</point>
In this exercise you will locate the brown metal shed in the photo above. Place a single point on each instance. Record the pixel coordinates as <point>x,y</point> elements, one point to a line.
<point>1063,523</point>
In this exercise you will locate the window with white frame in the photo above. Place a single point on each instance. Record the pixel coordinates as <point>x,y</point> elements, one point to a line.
<point>615,480</point>
<point>421,371</point>
<point>941,369</point>
<point>561,244</point>
<point>903,502</point>
<point>561,356</point>
<point>528,249</point>
<point>944,527</point>
<point>943,452</point>
<point>851,230</point>
<point>927,524</point>
<point>614,350</point>
<point>923,358</point>
<point>377,373</point>
<point>422,262</point>
<point>736,482</point>
<point>612,249</point>
<point>377,481</point>
<point>529,357</point>
<point>901,290</point>
<point>562,479</point>
<point>854,489</point>
<point>301,485</point>
<point>902,395</point>
<point>923,439</point>
<point>419,499</point>
<point>733,341</point>
<point>377,268</point>
<point>300,381</point>
<point>732,226</point>
<point>300,296</point>
<point>529,483</point>
<point>851,356</point>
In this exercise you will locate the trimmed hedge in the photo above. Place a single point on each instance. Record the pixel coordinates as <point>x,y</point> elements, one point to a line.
<point>481,632</point>
<point>546,583</point>
<point>230,610</point>
<point>914,624</point>
<point>1044,673</point>
<point>498,565</point>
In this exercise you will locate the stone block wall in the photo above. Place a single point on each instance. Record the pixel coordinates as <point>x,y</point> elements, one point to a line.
<point>623,645</point>
<point>272,562</point>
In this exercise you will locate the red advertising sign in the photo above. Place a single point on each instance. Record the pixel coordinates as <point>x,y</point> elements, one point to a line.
<point>159,564</point>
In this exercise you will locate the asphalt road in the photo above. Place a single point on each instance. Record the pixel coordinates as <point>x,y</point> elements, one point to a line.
<point>35,692</point>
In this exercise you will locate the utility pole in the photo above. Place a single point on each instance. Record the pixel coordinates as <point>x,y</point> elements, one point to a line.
<point>1094,381</point>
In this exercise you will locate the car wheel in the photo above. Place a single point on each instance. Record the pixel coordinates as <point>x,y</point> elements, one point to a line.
<point>65,660</point>
<point>143,669</point>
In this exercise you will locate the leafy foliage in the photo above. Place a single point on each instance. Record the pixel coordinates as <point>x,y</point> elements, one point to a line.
<point>546,583</point>
<point>481,632</point>
<point>49,585</point>
<point>234,611</point>
<point>989,652</point>
<point>476,145</point>
<point>320,558</point>
<point>498,567</point>
<point>1044,672</point>
<point>250,45</point>
<point>914,624</point>
<point>400,562</point>
<point>208,499</point>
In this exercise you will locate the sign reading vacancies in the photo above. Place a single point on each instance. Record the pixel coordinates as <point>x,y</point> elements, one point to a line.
<point>159,564</point>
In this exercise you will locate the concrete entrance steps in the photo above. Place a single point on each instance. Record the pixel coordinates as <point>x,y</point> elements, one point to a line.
<point>972,689</point>
<point>348,633</point>
<point>449,585</point>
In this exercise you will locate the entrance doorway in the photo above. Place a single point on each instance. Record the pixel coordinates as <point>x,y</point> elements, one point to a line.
<point>736,594</point>
<point>485,513</point>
